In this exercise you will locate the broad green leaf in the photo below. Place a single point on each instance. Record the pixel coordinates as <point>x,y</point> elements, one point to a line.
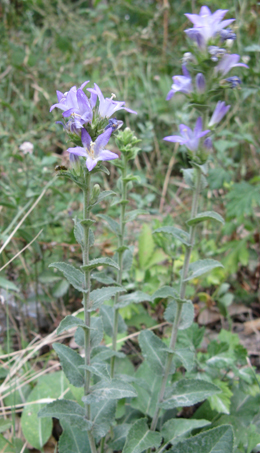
<point>207,215</point>
<point>73,440</point>
<point>179,426</point>
<point>221,401</point>
<point>69,322</point>
<point>187,314</point>
<point>253,438</point>
<point>131,215</point>
<point>69,410</point>
<point>145,246</point>
<point>128,258</point>
<point>96,333</point>
<point>6,446</point>
<point>164,293</point>
<point>5,424</point>
<point>61,288</point>
<point>79,232</point>
<point>186,356</point>
<point>109,390</point>
<point>36,431</point>
<point>140,438</point>
<point>103,353</point>
<point>154,351</point>
<point>103,278</point>
<point>133,298</point>
<point>9,286</point>
<point>113,225</point>
<point>100,262</point>
<point>217,440</point>
<point>200,267</point>
<point>70,361</point>
<point>99,369</point>
<point>188,392</point>
<point>179,234</point>
<point>107,314</point>
<point>120,433</point>
<point>98,296</point>
<point>103,195</point>
<point>73,275</point>
<point>103,415</point>
<point>146,400</point>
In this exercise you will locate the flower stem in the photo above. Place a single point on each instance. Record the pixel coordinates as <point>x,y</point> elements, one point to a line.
<point>194,210</point>
<point>86,300</point>
<point>121,239</point>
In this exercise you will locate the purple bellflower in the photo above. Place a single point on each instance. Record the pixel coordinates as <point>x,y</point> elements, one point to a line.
<point>107,107</point>
<point>200,83</point>
<point>228,62</point>
<point>181,83</point>
<point>220,111</point>
<point>188,137</point>
<point>94,151</point>
<point>206,25</point>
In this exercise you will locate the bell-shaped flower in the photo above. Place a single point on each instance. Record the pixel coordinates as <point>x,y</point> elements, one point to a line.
<point>189,138</point>
<point>228,62</point>
<point>107,107</point>
<point>200,83</point>
<point>181,83</point>
<point>94,151</point>
<point>219,112</point>
<point>206,25</point>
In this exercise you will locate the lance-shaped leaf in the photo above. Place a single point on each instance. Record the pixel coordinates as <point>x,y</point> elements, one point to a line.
<point>69,322</point>
<point>177,427</point>
<point>79,232</point>
<point>73,440</point>
<point>185,356</point>
<point>207,215</point>
<point>217,440</point>
<point>107,314</point>
<point>96,333</point>
<point>187,314</point>
<point>120,433</point>
<point>103,278</point>
<point>103,415</point>
<point>69,410</point>
<point>140,438</point>
<point>179,234</point>
<point>164,293</point>
<point>131,215</point>
<point>109,390</point>
<point>103,195</point>
<point>100,262</point>
<point>146,400</point>
<point>133,298</point>
<point>200,267</point>
<point>73,275</point>
<point>99,369</point>
<point>113,225</point>
<point>153,350</point>
<point>98,296</point>
<point>70,361</point>
<point>188,392</point>
<point>103,353</point>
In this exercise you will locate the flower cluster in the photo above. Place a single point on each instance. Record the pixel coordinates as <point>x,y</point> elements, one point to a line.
<point>210,60</point>
<point>89,118</point>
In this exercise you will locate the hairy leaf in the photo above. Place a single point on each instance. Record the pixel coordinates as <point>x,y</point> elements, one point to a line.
<point>73,440</point>
<point>154,351</point>
<point>109,390</point>
<point>187,314</point>
<point>103,353</point>
<point>146,400</point>
<point>179,234</point>
<point>207,215</point>
<point>73,275</point>
<point>68,410</point>
<point>188,392</point>
<point>120,433</point>
<point>69,322</point>
<point>140,438</point>
<point>99,369</point>
<point>103,415</point>
<point>113,225</point>
<point>217,440</point>
<point>164,293</point>
<point>100,262</point>
<point>107,314</point>
<point>96,333</point>
<point>200,267</point>
<point>145,246</point>
<point>177,427</point>
<point>70,361</point>
<point>133,298</point>
<point>98,296</point>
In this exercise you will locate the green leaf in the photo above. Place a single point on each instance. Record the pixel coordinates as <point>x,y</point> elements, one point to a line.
<point>103,195</point>
<point>186,356</point>
<point>164,293</point>
<point>69,322</point>
<point>102,353</point>
<point>187,314</point>
<point>188,392</point>
<point>200,267</point>
<point>128,258</point>
<point>207,215</point>
<point>120,433</point>
<point>103,415</point>
<point>70,361</point>
<point>100,262</point>
<point>96,333</point>
<point>113,225</point>
<point>61,288</point>
<point>146,400</point>
<point>179,234</point>
<point>131,215</point>
<point>5,424</point>
<point>99,369</point>
<point>221,402</point>
<point>179,426</point>
<point>253,438</point>
<point>217,440</point>
<point>35,430</point>
<point>133,298</point>
<point>73,275</point>
<point>98,296</point>
<point>154,351</point>
<point>140,438</point>
<point>73,440</point>
<point>145,246</point>
<point>107,314</point>
<point>78,232</point>
<point>6,284</point>
<point>103,278</point>
<point>71,411</point>
<point>107,390</point>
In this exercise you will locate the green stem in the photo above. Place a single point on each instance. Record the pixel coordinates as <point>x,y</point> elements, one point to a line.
<point>86,301</point>
<point>121,239</point>
<point>194,210</point>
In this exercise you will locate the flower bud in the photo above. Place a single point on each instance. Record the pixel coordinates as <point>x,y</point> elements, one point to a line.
<point>95,193</point>
<point>208,143</point>
<point>200,83</point>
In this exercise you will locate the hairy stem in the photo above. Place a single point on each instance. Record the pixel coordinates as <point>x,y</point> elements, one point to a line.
<point>86,301</point>
<point>194,210</point>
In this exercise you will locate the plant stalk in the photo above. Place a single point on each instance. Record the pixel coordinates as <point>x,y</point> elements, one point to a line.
<point>194,211</point>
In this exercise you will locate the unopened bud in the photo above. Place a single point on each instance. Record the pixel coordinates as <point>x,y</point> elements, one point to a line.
<point>200,83</point>
<point>95,192</point>
<point>208,143</point>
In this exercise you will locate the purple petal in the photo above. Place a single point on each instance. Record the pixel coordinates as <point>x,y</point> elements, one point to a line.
<point>205,11</point>
<point>170,95</point>
<point>105,154</point>
<point>82,101</point>
<point>174,139</point>
<point>185,131</point>
<point>225,23</point>
<point>58,106</point>
<point>218,15</point>
<point>83,85</point>
<point>201,134</point>
<point>102,140</point>
<point>85,138</point>
<point>91,163</point>
<point>193,18</point>
<point>78,151</point>
<point>198,126</point>
<point>68,112</point>
<point>59,95</point>
<point>93,99</point>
